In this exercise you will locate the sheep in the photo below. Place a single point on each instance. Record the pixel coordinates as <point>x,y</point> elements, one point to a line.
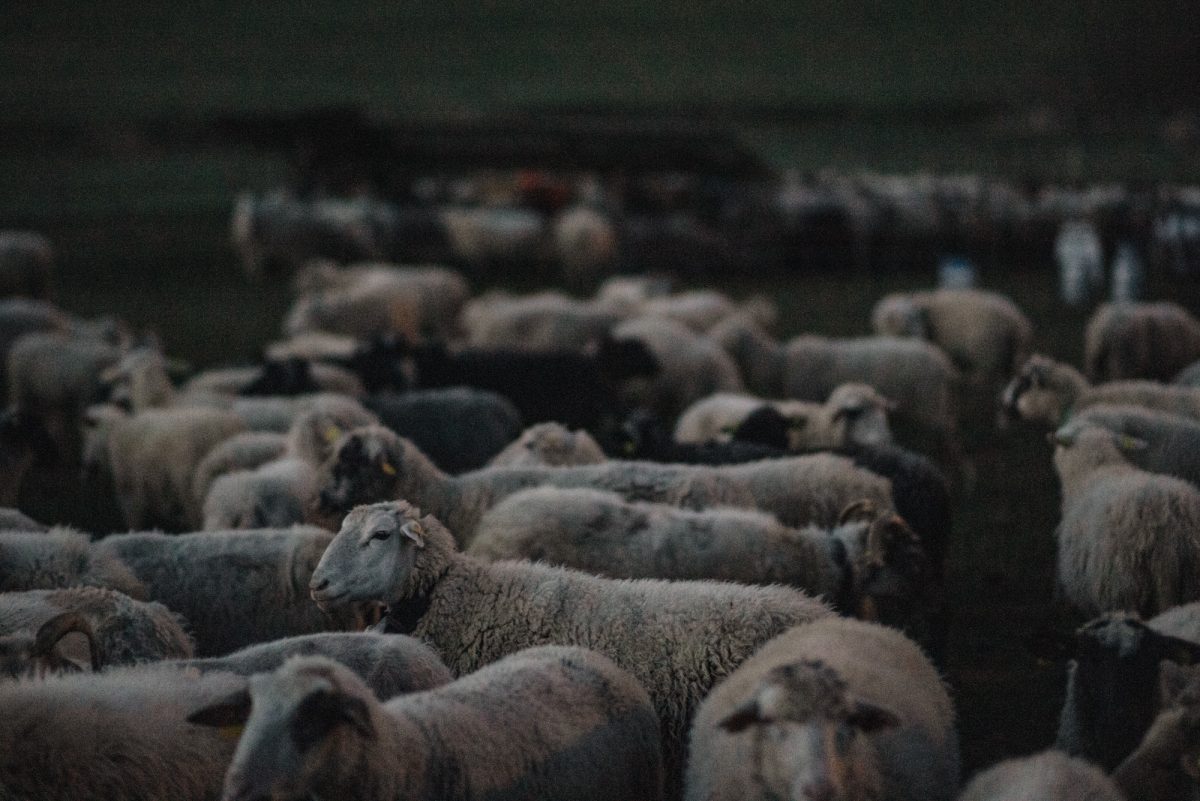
<point>676,638</point>
<point>459,428</point>
<point>586,244</point>
<point>1166,764</point>
<point>837,709</point>
<point>408,302</point>
<point>391,664</point>
<point>916,376</point>
<point>1153,341</point>
<point>1171,442</point>
<point>546,723</point>
<point>986,336</point>
<point>871,565</point>
<point>373,464</point>
<point>1111,680</point>
<point>539,322</point>
<point>15,520</point>
<point>691,366</point>
<point>26,265</point>
<point>1045,776</point>
<point>152,458</point>
<point>234,588</point>
<point>122,630</point>
<point>440,292</point>
<point>1048,392</point>
<point>119,734</point>
<point>244,451</point>
<point>61,558</point>
<point>56,377</point>
<point>551,445</point>
<point>272,495</point>
<point>1127,538</point>
<point>852,413</point>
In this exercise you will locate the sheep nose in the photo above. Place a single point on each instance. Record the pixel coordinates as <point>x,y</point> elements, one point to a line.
<point>317,585</point>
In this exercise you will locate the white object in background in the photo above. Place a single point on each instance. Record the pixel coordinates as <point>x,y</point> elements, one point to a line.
<point>956,272</point>
<point>1128,274</point>
<point>1080,257</point>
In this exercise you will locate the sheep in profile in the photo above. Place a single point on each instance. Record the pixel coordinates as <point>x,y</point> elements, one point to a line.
<point>692,366</point>
<point>1049,392</point>
<point>1127,537</point>
<point>677,638</point>
<point>839,710</point>
<point>61,558</point>
<point>1046,776</point>
<point>1167,762</point>
<point>550,445</point>
<point>234,588</point>
<point>547,723</point>
<point>121,630</point>
<point>26,265</point>
<point>1153,341</point>
<point>391,664</point>
<point>853,413</point>
<point>373,464</point>
<point>984,333</point>
<point>870,565</point>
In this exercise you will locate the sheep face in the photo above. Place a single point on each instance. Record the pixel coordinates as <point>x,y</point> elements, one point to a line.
<point>810,735</point>
<point>362,469</point>
<point>859,415</point>
<point>293,722</point>
<point>370,559</point>
<point>1035,393</point>
<point>890,572</point>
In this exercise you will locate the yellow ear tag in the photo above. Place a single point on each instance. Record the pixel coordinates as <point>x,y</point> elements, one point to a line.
<point>387,468</point>
<point>231,732</point>
<point>332,433</point>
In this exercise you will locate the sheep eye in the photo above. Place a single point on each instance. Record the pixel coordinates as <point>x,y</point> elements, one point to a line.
<point>381,534</point>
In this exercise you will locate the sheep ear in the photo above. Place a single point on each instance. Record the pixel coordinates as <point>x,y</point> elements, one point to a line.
<point>415,532</point>
<point>742,717</point>
<point>868,717</point>
<point>230,712</point>
<point>321,712</point>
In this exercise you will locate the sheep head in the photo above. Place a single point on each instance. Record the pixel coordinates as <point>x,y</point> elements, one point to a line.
<point>1042,390</point>
<point>810,734</point>
<point>377,556</point>
<point>364,467</point>
<point>293,725</point>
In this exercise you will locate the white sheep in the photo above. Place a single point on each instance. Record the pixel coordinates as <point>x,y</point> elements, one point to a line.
<point>677,638</point>
<point>551,445</point>
<point>838,710</point>
<point>547,723</point>
<point>1127,538</point>
<point>984,333</point>
<point>870,565</point>
<point>373,464</point>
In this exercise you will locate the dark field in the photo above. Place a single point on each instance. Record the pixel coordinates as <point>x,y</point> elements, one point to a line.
<point>100,101</point>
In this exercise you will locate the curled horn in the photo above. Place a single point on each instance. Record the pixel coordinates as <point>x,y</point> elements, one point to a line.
<point>863,509</point>
<point>56,628</point>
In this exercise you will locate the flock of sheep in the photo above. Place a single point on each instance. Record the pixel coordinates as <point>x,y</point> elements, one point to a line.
<point>628,546</point>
